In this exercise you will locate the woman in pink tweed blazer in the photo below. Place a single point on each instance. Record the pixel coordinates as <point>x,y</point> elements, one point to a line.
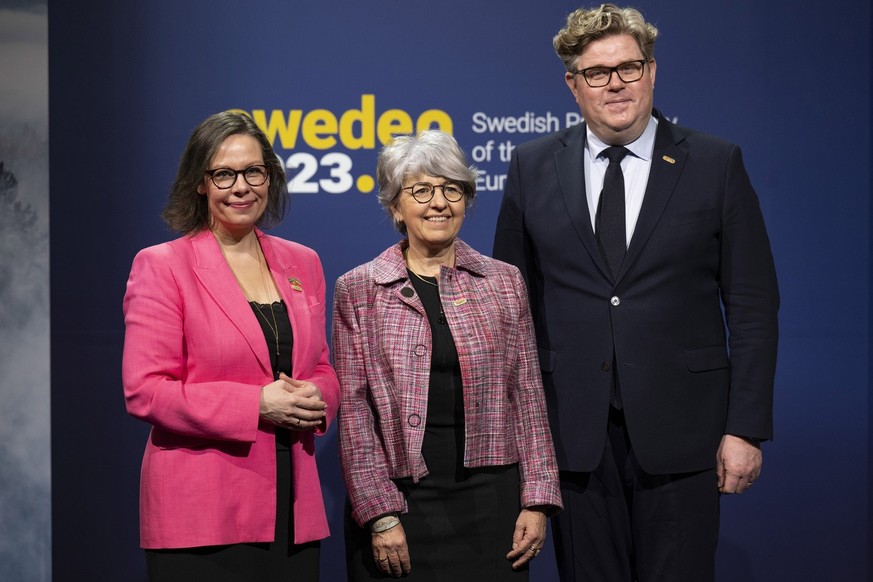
<point>225,356</point>
<point>444,441</point>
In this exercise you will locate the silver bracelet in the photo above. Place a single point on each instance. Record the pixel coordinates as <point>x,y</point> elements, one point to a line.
<point>384,524</point>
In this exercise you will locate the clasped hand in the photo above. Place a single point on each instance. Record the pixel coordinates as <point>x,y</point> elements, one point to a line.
<point>293,404</point>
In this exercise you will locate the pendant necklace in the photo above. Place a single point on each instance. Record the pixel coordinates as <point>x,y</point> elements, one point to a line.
<point>274,328</point>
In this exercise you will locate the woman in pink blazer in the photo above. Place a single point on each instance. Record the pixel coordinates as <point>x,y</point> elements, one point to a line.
<point>444,441</point>
<point>225,356</point>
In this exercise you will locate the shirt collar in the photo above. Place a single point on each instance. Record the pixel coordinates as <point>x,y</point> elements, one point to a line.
<point>642,147</point>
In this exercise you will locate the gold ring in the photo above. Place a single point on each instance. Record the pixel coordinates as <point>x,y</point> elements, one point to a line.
<point>298,422</point>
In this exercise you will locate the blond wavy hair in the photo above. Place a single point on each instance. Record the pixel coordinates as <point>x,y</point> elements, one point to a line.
<point>587,25</point>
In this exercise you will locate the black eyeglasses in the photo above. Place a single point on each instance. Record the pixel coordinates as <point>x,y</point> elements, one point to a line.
<point>423,191</point>
<point>629,72</point>
<point>224,178</point>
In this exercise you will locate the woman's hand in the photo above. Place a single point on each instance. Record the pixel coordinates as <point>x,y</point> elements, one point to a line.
<point>528,538</point>
<point>293,404</point>
<point>390,551</point>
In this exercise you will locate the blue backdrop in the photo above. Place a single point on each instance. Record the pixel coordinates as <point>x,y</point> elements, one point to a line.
<point>790,82</point>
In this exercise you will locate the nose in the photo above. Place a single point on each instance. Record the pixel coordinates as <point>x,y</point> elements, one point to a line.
<point>615,82</point>
<point>239,184</point>
<point>439,201</point>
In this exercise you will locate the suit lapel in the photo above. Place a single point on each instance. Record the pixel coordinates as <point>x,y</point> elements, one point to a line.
<point>570,167</point>
<point>668,159</point>
<point>390,268</point>
<point>219,282</point>
<point>293,289</point>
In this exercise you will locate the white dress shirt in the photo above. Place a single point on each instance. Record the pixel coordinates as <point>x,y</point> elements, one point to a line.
<point>635,167</point>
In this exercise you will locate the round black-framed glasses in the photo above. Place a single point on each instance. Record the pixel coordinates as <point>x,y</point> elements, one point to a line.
<point>423,192</point>
<point>224,178</point>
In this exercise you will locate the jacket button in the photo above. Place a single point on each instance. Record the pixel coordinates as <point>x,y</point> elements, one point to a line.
<point>615,301</point>
<point>605,366</point>
<point>419,350</point>
<point>414,420</point>
<point>407,292</point>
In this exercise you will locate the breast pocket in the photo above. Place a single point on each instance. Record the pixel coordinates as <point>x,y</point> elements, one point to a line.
<point>689,237</point>
<point>689,222</point>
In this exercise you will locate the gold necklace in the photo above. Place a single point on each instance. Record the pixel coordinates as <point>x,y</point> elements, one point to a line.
<point>423,279</point>
<point>442,317</point>
<point>409,268</point>
<point>274,329</point>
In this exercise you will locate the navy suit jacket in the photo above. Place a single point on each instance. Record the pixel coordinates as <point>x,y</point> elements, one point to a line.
<point>692,314</point>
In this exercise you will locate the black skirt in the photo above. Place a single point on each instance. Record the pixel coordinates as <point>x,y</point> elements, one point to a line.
<point>459,525</point>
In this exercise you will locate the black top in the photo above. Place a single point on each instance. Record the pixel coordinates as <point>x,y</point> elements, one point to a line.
<point>282,362</point>
<point>445,401</point>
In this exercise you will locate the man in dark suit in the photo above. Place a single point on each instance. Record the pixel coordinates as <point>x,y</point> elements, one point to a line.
<point>655,302</point>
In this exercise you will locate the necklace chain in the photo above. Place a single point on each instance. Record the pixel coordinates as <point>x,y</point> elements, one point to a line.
<point>423,279</point>
<point>274,328</point>
<point>442,317</point>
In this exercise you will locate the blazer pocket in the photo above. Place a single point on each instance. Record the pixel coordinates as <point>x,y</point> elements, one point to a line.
<point>706,359</point>
<point>690,217</point>
<point>313,302</point>
<point>169,441</point>
<point>547,359</point>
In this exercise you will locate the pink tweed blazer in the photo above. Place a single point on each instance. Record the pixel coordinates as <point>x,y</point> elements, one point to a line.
<point>382,350</point>
<point>194,363</point>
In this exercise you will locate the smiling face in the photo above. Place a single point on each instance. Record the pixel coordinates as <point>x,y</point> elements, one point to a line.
<point>236,210</point>
<point>431,227</point>
<point>619,112</point>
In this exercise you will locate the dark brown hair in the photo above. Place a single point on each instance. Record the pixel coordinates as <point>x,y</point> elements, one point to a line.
<point>187,210</point>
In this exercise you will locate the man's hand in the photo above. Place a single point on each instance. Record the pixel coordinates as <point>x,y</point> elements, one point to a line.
<point>738,463</point>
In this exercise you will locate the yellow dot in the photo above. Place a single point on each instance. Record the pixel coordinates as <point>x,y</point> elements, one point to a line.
<point>366,184</point>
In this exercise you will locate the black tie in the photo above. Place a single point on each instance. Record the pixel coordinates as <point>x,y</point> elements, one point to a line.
<point>610,223</point>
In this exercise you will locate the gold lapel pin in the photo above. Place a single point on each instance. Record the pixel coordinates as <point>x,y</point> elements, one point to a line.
<point>457,302</point>
<point>295,284</point>
<point>669,160</point>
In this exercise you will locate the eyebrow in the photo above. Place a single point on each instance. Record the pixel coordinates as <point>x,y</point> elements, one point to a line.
<point>621,62</point>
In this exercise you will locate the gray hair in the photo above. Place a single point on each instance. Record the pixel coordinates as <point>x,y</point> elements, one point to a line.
<point>585,26</point>
<point>432,152</point>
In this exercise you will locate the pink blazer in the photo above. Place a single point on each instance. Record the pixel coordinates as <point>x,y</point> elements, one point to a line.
<point>194,363</point>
